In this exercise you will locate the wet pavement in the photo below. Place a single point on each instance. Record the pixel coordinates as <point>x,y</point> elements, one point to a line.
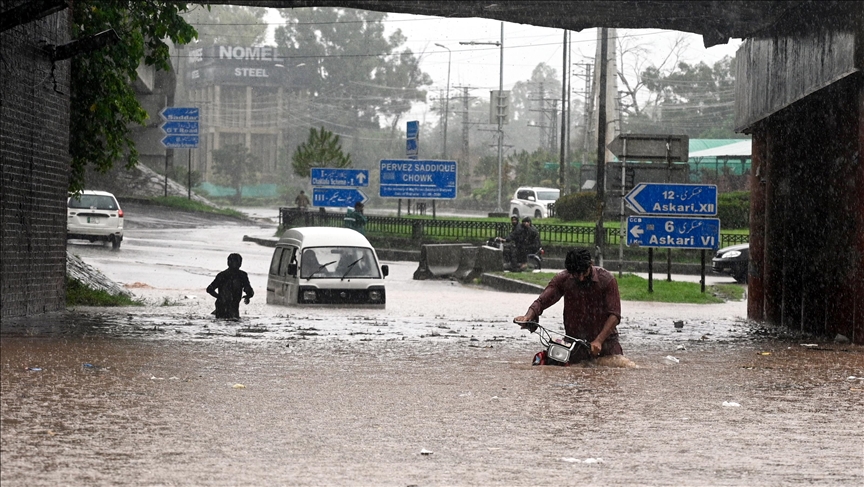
<point>163,394</point>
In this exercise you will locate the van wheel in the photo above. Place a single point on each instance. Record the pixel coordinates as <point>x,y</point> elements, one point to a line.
<point>537,214</point>
<point>115,243</point>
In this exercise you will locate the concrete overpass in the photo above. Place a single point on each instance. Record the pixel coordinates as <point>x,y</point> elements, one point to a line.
<point>800,94</point>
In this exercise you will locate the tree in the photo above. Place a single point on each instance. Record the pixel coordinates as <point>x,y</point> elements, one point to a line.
<point>696,100</point>
<point>102,99</point>
<point>235,165</point>
<point>322,149</point>
<point>228,25</point>
<point>352,76</point>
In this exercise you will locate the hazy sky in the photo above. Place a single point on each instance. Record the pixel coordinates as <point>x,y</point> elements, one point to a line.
<point>524,47</point>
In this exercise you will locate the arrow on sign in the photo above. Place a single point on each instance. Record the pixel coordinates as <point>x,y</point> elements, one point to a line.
<point>673,199</point>
<point>636,231</point>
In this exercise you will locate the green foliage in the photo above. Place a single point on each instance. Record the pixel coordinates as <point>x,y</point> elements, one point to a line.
<point>79,294</point>
<point>235,165</point>
<point>694,99</point>
<point>341,82</point>
<point>577,206</point>
<point>635,288</point>
<point>103,103</point>
<point>322,149</point>
<point>733,209</point>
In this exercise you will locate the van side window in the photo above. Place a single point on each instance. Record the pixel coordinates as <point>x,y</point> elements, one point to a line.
<point>524,194</point>
<point>274,264</point>
<point>289,256</point>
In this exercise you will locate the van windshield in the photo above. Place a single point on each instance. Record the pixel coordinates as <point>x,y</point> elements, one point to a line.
<point>338,263</point>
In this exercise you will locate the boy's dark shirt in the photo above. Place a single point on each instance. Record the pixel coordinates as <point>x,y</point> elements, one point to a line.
<point>231,284</point>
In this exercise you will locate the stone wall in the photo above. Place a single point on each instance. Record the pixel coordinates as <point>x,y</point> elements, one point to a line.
<point>34,166</point>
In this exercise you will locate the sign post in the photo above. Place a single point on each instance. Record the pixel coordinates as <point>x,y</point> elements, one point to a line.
<point>181,132</point>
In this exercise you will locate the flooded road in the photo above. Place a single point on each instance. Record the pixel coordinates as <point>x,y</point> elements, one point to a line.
<point>165,395</point>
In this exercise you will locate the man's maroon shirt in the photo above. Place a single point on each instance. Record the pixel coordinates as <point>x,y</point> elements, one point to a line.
<point>586,307</point>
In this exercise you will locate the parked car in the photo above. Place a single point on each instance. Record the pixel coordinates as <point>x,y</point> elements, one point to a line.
<point>733,260</point>
<point>533,201</point>
<point>94,216</point>
<point>314,266</point>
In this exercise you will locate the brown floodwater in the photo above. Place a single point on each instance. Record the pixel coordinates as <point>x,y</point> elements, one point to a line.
<point>189,401</point>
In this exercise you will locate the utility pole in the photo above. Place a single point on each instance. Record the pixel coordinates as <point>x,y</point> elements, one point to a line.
<point>599,231</point>
<point>465,124</point>
<point>562,166</point>
<point>447,103</point>
<point>500,106</point>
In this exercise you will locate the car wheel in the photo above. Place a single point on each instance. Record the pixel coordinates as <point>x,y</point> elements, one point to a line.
<point>537,214</point>
<point>516,212</point>
<point>740,277</point>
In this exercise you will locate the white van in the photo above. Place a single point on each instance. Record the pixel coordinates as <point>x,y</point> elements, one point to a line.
<point>326,266</point>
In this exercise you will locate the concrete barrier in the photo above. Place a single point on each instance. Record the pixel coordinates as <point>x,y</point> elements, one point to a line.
<point>438,260</point>
<point>468,268</point>
<point>490,259</point>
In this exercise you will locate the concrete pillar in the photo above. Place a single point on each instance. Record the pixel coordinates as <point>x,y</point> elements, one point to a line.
<point>755,279</point>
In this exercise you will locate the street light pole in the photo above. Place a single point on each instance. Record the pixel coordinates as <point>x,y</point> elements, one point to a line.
<point>447,101</point>
<point>500,116</point>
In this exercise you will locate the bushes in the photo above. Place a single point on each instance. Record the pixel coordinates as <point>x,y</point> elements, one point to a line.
<point>577,206</point>
<point>733,209</point>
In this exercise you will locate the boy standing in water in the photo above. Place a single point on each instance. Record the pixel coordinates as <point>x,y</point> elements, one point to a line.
<point>228,288</point>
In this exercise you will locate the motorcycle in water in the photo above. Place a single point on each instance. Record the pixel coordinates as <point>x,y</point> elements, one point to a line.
<point>557,349</point>
<point>533,262</point>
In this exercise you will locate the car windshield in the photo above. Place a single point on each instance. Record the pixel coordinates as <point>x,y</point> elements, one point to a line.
<point>338,263</point>
<point>99,202</point>
<point>548,195</point>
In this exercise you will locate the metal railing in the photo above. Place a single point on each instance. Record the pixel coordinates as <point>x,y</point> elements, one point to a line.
<point>465,231</point>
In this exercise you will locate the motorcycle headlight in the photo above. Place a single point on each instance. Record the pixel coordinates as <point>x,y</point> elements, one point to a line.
<point>559,352</point>
<point>731,254</point>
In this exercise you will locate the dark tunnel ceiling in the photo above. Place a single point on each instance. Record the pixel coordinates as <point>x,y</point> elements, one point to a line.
<point>717,21</point>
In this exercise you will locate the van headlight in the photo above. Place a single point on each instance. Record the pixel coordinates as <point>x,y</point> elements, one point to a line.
<point>374,295</point>
<point>309,295</point>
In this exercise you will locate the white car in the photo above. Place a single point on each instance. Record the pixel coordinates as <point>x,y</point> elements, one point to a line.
<point>94,216</point>
<point>533,201</point>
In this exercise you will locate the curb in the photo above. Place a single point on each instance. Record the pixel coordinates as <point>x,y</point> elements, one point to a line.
<point>500,283</point>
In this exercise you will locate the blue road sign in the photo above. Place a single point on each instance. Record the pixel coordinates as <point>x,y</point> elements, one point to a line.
<point>411,147</point>
<point>673,232</point>
<point>413,129</point>
<point>673,199</point>
<point>179,127</point>
<point>180,141</point>
<point>421,179</point>
<point>189,114</point>
<point>338,197</point>
<point>326,176</point>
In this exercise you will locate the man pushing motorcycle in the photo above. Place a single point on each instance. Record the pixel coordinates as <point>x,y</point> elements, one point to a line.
<point>592,306</point>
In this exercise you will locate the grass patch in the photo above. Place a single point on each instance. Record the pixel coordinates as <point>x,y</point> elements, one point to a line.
<point>192,205</point>
<point>79,294</point>
<point>635,288</point>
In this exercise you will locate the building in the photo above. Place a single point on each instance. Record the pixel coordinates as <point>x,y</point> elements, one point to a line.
<point>240,91</point>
